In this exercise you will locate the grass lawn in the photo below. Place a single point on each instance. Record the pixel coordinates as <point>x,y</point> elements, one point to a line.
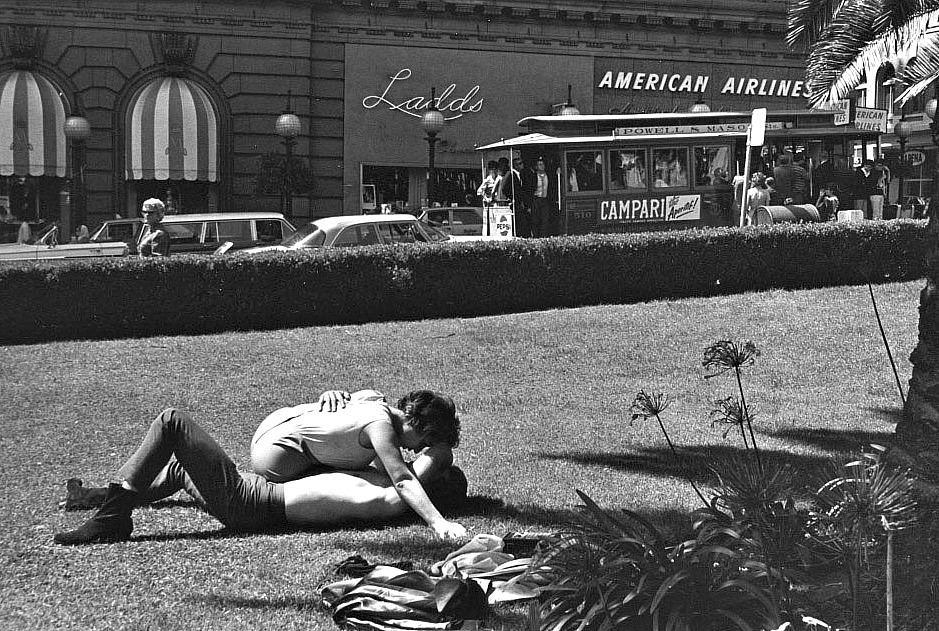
<point>544,399</point>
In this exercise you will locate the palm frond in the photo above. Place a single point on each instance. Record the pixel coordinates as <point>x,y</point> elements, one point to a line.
<point>924,69</point>
<point>810,18</point>
<point>887,46</point>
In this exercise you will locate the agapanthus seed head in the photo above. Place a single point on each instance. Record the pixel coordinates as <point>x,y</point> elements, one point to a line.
<point>728,354</point>
<point>728,411</point>
<point>648,404</point>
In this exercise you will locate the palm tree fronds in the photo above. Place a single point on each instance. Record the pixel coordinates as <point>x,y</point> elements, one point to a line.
<point>808,18</point>
<point>924,69</point>
<point>838,65</point>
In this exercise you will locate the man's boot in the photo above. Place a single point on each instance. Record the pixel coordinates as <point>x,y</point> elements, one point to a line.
<point>111,523</point>
<point>78,497</point>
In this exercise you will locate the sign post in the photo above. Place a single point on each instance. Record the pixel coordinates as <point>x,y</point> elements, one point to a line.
<point>755,135</point>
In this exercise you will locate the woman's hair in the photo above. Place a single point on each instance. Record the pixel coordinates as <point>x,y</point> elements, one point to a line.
<point>759,179</point>
<point>432,413</point>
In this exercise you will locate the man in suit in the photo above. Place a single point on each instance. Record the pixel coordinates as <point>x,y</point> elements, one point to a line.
<point>544,205</point>
<point>526,198</point>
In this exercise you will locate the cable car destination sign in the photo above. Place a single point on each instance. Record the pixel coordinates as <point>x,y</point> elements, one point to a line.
<point>707,128</point>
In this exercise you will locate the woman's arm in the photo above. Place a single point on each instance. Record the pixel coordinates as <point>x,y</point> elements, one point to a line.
<point>385,443</point>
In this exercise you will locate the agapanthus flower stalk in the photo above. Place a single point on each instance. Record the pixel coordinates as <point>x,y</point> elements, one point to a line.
<point>727,355</point>
<point>651,405</point>
<point>728,411</point>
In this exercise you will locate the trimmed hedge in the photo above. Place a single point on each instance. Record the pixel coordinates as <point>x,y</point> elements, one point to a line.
<point>199,294</point>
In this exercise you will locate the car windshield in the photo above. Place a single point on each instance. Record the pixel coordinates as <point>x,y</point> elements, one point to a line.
<point>49,235</point>
<point>308,236</point>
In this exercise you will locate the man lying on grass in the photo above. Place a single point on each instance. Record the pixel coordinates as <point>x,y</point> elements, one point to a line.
<point>177,454</point>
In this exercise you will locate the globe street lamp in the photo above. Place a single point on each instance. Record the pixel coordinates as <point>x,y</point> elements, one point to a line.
<point>569,109</point>
<point>432,121</point>
<point>77,130</point>
<point>288,128</point>
<point>902,129</point>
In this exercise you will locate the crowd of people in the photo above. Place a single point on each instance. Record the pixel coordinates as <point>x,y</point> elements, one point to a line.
<point>530,188</point>
<point>836,185</point>
<point>335,461</point>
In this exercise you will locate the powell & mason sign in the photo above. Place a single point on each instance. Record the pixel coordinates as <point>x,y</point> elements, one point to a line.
<point>676,130</point>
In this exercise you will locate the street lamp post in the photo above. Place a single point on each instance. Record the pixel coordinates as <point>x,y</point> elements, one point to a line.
<point>930,110</point>
<point>288,128</point>
<point>432,121</point>
<point>77,130</point>
<point>902,129</point>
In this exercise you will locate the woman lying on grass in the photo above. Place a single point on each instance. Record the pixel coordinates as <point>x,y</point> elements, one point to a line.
<point>330,435</point>
<point>177,454</point>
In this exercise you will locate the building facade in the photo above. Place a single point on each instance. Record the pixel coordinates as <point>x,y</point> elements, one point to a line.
<point>181,98</point>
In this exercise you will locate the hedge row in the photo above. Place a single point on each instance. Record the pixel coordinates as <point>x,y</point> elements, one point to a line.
<point>198,294</point>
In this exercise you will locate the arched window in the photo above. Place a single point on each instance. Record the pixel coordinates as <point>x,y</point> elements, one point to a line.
<point>884,88</point>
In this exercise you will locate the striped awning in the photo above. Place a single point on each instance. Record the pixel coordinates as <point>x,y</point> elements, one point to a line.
<point>172,132</point>
<point>32,126</point>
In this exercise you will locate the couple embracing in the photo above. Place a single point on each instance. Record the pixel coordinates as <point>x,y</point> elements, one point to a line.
<point>334,461</point>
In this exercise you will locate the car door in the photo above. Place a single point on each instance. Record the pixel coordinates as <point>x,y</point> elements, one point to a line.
<point>270,231</point>
<point>466,222</point>
<point>238,231</point>
<point>399,232</point>
<point>185,236</point>
<point>362,234</point>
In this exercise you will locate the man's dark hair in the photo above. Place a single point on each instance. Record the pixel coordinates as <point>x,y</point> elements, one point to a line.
<point>433,413</point>
<point>448,490</point>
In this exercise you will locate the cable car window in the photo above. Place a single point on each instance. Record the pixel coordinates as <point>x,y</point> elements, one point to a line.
<point>628,169</point>
<point>711,165</point>
<point>584,171</point>
<point>670,167</point>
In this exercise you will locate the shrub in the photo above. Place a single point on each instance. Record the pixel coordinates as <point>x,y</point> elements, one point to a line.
<point>195,294</point>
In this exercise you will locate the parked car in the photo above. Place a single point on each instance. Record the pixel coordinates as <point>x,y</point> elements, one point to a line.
<point>204,232</point>
<point>455,220</point>
<point>47,246</point>
<point>125,230</point>
<point>350,230</point>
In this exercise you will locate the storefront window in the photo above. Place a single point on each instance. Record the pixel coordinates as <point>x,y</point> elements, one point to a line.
<point>180,196</point>
<point>584,171</point>
<point>628,169</point>
<point>918,182</point>
<point>457,187</point>
<point>391,185</point>
<point>711,165</point>
<point>670,167</point>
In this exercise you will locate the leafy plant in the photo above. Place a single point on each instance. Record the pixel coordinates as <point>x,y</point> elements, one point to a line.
<point>618,571</point>
<point>859,507</point>
<point>273,175</point>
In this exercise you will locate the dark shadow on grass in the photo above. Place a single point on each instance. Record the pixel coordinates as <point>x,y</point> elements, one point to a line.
<point>694,463</point>
<point>889,414</point>
<point>842,441</point>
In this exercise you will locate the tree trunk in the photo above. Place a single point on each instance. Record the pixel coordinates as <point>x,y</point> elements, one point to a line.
<point>918,432</point>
